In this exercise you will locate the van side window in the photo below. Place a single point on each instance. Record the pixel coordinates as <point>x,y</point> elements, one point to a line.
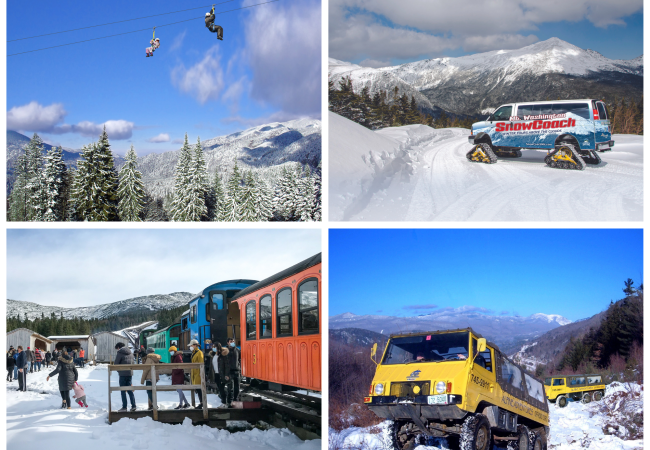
<point>511,374</point>
<point>602,112</point>
<point>579,109</point>
<point>558,382</point>
<point>483,359</point>
<point>502,113</point>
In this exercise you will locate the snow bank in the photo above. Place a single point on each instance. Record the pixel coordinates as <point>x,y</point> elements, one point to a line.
<point>575,427</point>
<point>34,421</point>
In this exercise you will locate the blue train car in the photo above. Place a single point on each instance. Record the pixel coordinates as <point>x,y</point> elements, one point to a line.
<point>211,316</point>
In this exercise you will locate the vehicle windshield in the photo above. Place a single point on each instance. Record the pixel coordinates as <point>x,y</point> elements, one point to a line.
<point>428,348</point>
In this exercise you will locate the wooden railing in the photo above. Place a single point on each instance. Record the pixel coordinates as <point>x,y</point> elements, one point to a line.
<point>160,369</point>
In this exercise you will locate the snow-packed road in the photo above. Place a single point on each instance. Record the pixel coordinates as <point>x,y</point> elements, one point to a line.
<point>576,427</point>
<point>34,421</point>
<point>428,178</point>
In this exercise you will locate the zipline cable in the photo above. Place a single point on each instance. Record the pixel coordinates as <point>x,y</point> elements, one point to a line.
<point>137,31</point>
<point>119,21</point>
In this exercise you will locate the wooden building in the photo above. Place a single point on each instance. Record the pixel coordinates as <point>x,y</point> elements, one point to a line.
<point>75,342</point>
<point>105,345</point>
<point>28,338</point>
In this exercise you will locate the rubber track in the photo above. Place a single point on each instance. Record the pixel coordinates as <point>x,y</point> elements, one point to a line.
<point>487,148</point>
<point>565,164</point>
<point>591,157</point>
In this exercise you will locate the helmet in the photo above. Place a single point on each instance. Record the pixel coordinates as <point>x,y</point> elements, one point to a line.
<point>207,14</point>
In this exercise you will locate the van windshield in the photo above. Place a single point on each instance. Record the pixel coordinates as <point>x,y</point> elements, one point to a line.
<point>427,348</point>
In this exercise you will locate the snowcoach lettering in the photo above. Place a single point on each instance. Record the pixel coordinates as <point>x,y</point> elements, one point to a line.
<point>537,125</point>
<point>500,127</point>
<point>517,405</point>
<point>517,126</point>
<point>534,125</point>
<point>527,126</point>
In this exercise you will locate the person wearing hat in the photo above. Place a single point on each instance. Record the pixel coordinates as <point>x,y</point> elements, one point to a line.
<point>178,377</point>
<point>11,363</point>
<point>151,358</point>
<point>195,374</point>
<point>67,377</point>
<point>124,356</point>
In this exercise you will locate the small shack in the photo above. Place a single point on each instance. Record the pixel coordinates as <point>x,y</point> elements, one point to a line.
<point>28,338</point>
<point>87,342</point>
<point>105,342</point>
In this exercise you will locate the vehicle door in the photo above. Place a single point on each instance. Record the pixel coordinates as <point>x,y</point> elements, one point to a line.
<point>501,124</point>
<point>482,377</point>
<point>574,119</point>
<point>218,317</point>
<point>602,124</point>
<point>530,131</point>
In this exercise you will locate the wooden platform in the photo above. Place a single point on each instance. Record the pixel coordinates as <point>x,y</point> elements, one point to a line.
<point>216,417</point>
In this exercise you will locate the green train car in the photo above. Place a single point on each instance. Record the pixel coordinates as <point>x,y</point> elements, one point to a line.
<point>162,339</point>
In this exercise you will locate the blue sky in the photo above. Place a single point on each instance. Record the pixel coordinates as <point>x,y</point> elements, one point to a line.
<point>90,267</point>
<point>574,273</point>
<point>376,33</point>
<point>266,69</point>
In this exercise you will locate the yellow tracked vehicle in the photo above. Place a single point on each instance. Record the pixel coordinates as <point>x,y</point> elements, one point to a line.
<point>584,388</point>
<point>455,384</point>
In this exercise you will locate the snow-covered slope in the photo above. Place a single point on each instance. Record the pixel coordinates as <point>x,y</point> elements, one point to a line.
<point>422,174</point>
<point>604,425</point>
<point>35,420</point>
<point>468,84</point>
<point>500,329</point>
<point>148,302</point>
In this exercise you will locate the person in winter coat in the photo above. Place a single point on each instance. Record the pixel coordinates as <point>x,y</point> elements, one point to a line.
<point>178,377</point>
<point>235,368</point>
<point>48,358</point>
<point>67,377</point>
<point>15,355</point>
<point>210,25</point>
<point>30,360</point>
<point>21,363</point>
<point>82,358</point>
<point>38,356</point>
<point>222,374</point>
<point>79,394</point>
<point>151,358</point>
<point>195,374</point>
<point>11,363</point>
<point>124,356</point>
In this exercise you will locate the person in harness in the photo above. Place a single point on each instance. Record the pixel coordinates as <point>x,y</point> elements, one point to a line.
<point>209,23</point>
<point>155,43</point>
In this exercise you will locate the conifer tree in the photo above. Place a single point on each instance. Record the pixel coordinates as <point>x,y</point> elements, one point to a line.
<point>55,174</point>
<point>317,193</point>
<point>219,198</point>
<point>34,181</point>
<point>131,192</point>
<point>181,182</point>
<point>249,195</point>
<point>18,199</point>
<point>305,199</point>
<point>264,200</point>
<point>197,187</point>
<point>232,209</point>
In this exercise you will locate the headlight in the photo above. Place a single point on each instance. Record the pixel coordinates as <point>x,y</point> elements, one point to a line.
<point>441,387</point>
<point>379,389</point>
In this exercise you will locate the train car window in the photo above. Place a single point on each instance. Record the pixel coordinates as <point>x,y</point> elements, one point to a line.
<point>184,323</point>
<point>217,299</point>
<point>308,307</point>
<point>251,321</point>
<point>266,314</point>
<point>285,312</point>
<point>193,314</point>
<point>207,312</point>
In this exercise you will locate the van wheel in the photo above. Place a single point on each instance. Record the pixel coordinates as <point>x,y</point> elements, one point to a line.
<point>561,401</point>
<point>523,439</point>
<point>475,433</point>
<point>537,441</point>
<point>586,397</point>
<point>482,153</point>
<point>598,396</point>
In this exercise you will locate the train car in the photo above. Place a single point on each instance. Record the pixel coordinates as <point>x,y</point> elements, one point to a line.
<point>281,319</point>
<point>161,340</point>
<point>212,317</point>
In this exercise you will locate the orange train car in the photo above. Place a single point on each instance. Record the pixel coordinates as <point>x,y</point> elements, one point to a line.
<point>280,320</point>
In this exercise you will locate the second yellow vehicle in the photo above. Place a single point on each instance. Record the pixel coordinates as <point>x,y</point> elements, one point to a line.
<point>454,384</point>
<point>584,388</point>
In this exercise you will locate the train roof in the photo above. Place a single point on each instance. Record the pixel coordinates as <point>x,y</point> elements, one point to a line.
<point>219,284</point>
<point>166,328</point>
<point>286,273</point>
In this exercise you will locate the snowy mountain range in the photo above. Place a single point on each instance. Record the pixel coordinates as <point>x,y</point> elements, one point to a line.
<point>481,82</point>
<point>148,302</point>
<point>505,331</point>
<point>264,149</point>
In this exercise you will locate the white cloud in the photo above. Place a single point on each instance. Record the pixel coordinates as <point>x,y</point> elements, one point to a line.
<point>34,117</point>
<point>374,63</point>
<point>178,41</point>
<point>284,51</point>
<point>204,80</point>
<point>162,137</point>
<point>178,141</point>
<point>429,28</point>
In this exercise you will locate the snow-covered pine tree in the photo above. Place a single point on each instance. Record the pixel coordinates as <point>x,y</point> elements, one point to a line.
<point>181,181</point>
<point>317,214</point>
<point>55,174</point>
<point>264,200</point>
<point>18,198</point>
<point>249,196</point>
<point>285,200</point>
<point>196,189</point>
<point>305,198</point>
<point>35,182</point>
<point>232,209</point>
<point>219,198</point>
<point>130,191</point>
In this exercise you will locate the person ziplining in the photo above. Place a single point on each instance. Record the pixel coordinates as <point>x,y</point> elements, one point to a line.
<point>155,43</point>
<point>209,23</point>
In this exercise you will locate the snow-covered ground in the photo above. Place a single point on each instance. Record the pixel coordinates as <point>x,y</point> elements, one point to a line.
<point>34,421</point>
<point>418,173</point>
<point>575,427</point>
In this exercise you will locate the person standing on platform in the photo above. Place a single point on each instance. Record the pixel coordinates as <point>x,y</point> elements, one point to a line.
<point>124,356</point>
<point>195,376</point>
